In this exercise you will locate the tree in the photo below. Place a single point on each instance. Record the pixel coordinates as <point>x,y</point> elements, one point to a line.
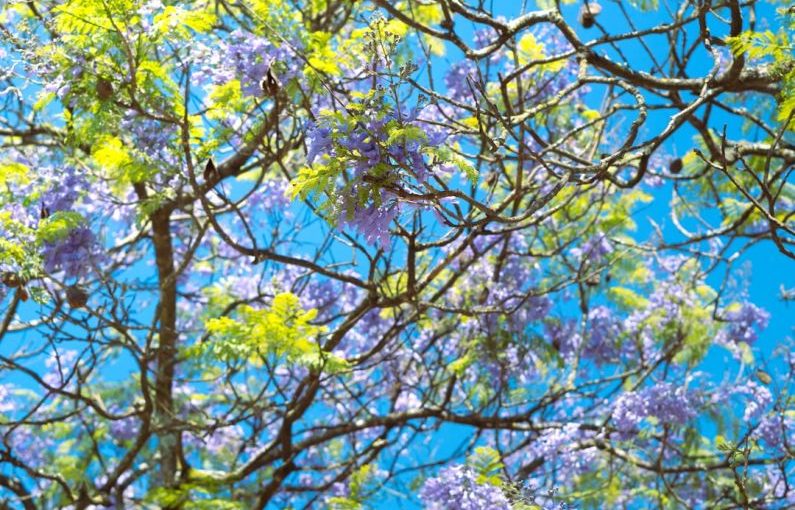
<point>346,254</point>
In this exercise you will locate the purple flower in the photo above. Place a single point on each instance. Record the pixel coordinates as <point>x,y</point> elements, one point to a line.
<point>365,144</point>
<point>664,401</point>
<point>73,254</point>
<point>745,321</point>
<point>151,137</point>
<point>224,439</point>
<point>603,337</point>
<point>319,141</point>
<point>29,445</point>
<point>373,223</point>
<point>458,80</point>
<point>63,196</point>
<point>457,488</point>
<point>271,196</point>
<point>406,401</point>
<point>759,397</point>
<point>772,429</point>
<point>594,249</point>
<point>124,429</point>
<point>248,58</point>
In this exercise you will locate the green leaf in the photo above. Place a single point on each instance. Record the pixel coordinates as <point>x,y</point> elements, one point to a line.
<point>284,330</point>
<point>487,463</point>
<point>110,153</point>
<point>58,225</point>
<point>14,172</point>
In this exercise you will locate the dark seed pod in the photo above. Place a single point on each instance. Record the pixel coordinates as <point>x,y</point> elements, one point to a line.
<point>104,89</point>
<point>23,294</point>
<point>11,279</point>
<point>592,280</point>
<point>484,295</point>
<point>608,278</point>
<point>676,166</point>
<point>44,213</point>
<point>210,172</point>
<point>76,297</point>
<point>271,84</point>
<point>588,13</point>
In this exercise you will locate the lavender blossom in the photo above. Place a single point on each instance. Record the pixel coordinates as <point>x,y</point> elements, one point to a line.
<point>457,488</point>
<point>667,403</point>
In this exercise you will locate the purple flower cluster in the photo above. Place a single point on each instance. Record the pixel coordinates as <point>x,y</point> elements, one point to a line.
<point>778,484</point>
<point>319,141</point>
<point>485,36</point>
<point>363,139</point>
<point>594,250</point>
<point>603,338</point>
<point>245,57</point>
<point>63,197</point>
<point>457,488</point>
<point>367,142</point>
<point>773,429</point>
<point>29,445</point>
<point>458,80</point>
<point>271,196</point>
<point>557,447</point>
<point>670,404</point>
<point>758,399</point>
<point>74,253</point>
<point>506,287</point>
<point>373,221</point>
<point>217,441</point>
<point>151,137</point>
<point>665,307</point>
<point>124,429</point>
<point>745,321</point>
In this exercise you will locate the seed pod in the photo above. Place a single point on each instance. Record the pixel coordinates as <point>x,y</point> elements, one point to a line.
<point>23,294</point>
<point>271,84</point>
<point>763,377</point>
<point>676,166</point>
<point>104,89</point>
<point>592,280</point>
<point>76,297</point>
<point>210,172</point>
<point>44,213</point>
<point>11,279</point>
<point>588,13</point>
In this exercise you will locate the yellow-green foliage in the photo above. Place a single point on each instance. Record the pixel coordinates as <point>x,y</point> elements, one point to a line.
<point>779,48</point>
<point>284,330</point>
<point>360,484</point>
<point>488,465</point>
<point>13,172</point>
<point>58,225</point>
